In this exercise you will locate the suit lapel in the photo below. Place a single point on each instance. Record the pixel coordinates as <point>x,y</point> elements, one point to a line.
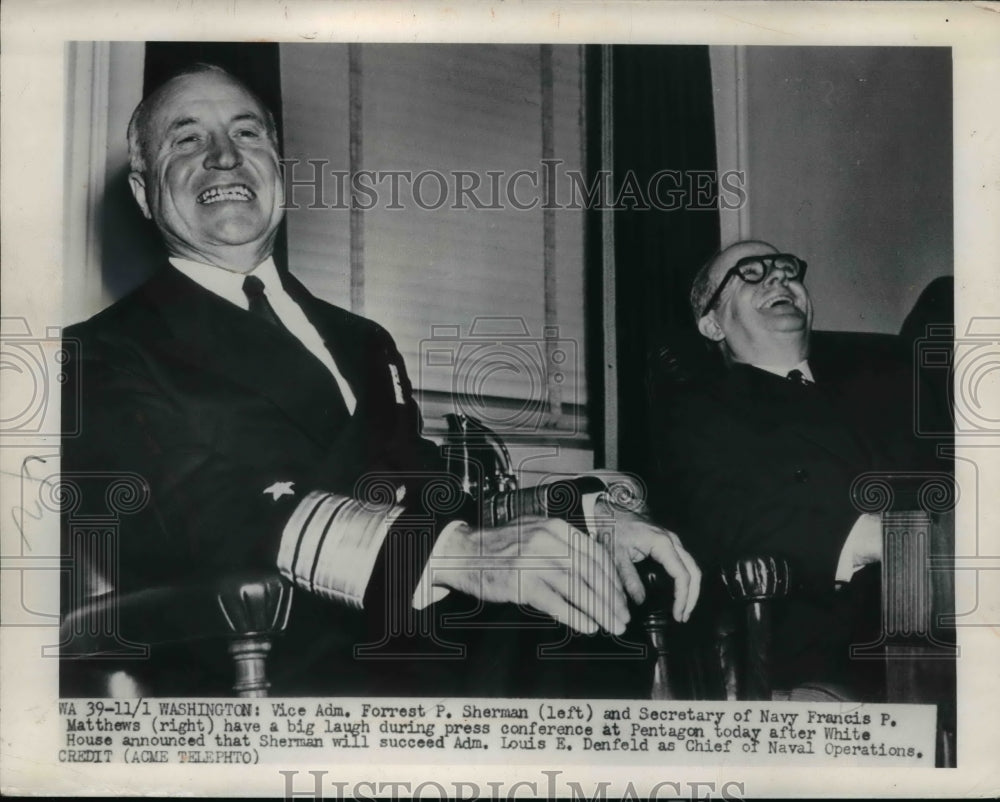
<point>361,357</point>
<point>213,335</point>
<point>809,413</point>
<point>344,338</point>
<point>363,360</point>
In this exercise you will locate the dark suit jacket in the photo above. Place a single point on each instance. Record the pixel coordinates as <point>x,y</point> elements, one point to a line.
<point>748,463</point>
<point>211,406</point>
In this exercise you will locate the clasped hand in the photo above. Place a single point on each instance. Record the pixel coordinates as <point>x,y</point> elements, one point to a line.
<point>579,580</point>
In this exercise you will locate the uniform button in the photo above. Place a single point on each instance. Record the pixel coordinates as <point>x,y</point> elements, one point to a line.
<point>801,475</point>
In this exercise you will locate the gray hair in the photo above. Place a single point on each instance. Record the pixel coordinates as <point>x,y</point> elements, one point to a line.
<point>701,286</point>
<point>138,125</point>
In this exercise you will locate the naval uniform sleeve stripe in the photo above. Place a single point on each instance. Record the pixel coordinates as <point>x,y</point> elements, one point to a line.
<point>291,537</point>
<point>319,545</point>
<point>304,528</point>
<point>344,568</point>
<point>309,533</point>
<point>331,543</point>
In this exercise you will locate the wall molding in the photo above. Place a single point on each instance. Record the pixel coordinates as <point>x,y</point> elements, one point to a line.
<point>104,84</point>
<point>729,83</point>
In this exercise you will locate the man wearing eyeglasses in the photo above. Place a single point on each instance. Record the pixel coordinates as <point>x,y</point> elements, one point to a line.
<point>759,310</point>
<point>760,458</point>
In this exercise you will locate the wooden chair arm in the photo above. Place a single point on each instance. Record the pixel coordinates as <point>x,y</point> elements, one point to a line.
<point>752,582</point>
<point>245,609</point>
<point>743,671</point>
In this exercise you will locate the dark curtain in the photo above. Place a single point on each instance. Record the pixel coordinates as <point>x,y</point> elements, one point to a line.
<point>132,248</point>
<point>661,104</point>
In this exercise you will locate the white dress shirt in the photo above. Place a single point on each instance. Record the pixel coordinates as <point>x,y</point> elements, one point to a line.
<point>228,285</point>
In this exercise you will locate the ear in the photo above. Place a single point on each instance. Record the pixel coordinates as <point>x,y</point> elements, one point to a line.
<point>710,328</point>
<point>137,184</point>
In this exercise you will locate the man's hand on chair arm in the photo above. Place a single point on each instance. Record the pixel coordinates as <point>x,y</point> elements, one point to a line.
<point>579,580</point>
<point>630,538</point>
<point>542,562</point>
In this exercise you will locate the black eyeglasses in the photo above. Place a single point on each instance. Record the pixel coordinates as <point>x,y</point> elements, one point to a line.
<point>753,270</point>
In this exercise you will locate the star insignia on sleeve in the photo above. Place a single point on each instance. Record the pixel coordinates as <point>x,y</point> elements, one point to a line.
<point>279,489</point>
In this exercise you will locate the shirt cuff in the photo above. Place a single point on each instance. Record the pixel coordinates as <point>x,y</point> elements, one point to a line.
<point>330,544</point>
<point>589,505</point>
<point>866,530</point>
<point>427,593</point>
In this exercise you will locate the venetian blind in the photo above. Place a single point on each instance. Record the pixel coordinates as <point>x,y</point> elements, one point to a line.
<point>485,304</point>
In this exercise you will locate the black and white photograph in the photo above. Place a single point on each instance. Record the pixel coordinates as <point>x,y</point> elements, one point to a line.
<point>612,414</point>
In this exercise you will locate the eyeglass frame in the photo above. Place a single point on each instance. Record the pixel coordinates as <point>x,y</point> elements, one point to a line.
<point>735,271</point>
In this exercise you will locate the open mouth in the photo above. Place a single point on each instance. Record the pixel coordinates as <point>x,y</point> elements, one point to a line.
<point>780,300</point>
<point>239,193</point>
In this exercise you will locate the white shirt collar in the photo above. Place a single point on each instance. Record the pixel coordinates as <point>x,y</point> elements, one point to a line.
<point>226,283</point>
<point>229,285</point>
<point>783,370</point>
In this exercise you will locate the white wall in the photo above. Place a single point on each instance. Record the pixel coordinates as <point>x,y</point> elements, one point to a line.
<point>104,85</point>
<point>848,159</point>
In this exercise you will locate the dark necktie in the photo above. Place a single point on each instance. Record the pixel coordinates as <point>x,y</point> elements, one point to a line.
<point>259,305</point>
<point>798,377</point>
